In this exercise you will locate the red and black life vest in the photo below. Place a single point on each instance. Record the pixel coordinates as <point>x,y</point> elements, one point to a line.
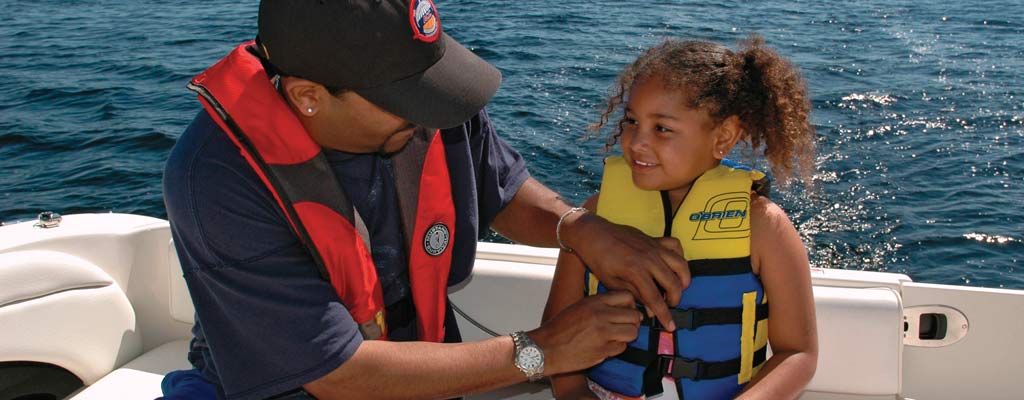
<point>240,97</point>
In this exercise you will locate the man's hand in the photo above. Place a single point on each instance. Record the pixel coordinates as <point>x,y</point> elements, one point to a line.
<point>587,332</point>
<point>582,335</point>
<point>624,258</point>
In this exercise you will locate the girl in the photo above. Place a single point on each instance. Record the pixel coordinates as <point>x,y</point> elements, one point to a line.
<point>686,104</point>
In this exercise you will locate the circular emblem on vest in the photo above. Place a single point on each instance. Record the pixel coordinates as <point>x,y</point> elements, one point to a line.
<point>435,241</point>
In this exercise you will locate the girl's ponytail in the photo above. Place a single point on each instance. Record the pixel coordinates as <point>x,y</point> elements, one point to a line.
<point>773,105</point>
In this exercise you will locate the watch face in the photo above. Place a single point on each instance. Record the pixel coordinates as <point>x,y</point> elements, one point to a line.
<point>530,358</point>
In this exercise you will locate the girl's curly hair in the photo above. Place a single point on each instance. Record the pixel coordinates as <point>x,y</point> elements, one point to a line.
<point>755,84</point>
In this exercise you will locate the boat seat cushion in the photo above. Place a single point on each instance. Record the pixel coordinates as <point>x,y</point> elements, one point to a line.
<point>63,310</point>
<point>139,378</point>
<point>181,301</point>
<point>28,275</point>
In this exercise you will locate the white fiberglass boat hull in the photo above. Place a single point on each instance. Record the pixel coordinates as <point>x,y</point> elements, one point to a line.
<point>99,302</point>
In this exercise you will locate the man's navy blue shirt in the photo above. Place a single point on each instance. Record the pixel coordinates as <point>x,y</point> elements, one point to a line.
<point>266,323</point>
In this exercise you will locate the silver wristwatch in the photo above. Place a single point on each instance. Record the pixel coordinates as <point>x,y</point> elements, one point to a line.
<point>529,358</point>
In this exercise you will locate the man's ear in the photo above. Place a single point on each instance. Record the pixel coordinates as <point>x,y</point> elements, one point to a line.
<point>726,135</point>
<point>305,96</point>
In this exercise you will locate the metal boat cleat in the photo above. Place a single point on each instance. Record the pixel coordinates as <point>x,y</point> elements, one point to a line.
<point>48,219</point>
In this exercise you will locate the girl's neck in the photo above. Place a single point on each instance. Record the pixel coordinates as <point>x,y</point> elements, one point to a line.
<point>677,195</point>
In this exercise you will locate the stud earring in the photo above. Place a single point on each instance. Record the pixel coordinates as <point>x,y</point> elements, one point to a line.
<point>309,110</point>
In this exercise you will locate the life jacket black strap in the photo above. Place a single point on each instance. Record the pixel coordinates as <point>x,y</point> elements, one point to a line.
<point>720,266</point>
<point>637,356</point>
<point>652,369</point>
<point>652,376</point>
<point>400,314</point>
<point>762,186</point>
<point>693,318</point>
<point>657,366</point>
<point>695,370</point>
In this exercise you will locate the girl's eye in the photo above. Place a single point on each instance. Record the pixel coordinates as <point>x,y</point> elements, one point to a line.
<point>628,121</point>
<point>661,128</point>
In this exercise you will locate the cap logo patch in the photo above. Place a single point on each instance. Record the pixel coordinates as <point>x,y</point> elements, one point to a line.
<point>426,26</point>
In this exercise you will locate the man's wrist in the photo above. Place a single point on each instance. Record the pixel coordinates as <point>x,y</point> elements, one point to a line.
<point>528,356</point>
<point>574,229</point>
<point>567,219</point>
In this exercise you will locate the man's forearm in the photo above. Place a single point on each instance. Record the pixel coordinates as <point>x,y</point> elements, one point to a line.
<point>404,370</point>
<point>532,215</point>
<point>579,337</point>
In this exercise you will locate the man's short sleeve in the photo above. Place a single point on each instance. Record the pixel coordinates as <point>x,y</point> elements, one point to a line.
<point>486,174</point>
<point>270,322</point>
<point>500,169</point>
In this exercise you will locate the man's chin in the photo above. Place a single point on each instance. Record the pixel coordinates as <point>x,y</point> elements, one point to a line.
<point>396,142</point>
<point>387,151</point>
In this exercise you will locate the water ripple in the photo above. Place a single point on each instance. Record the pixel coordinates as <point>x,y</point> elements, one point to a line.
<point>917,106</point>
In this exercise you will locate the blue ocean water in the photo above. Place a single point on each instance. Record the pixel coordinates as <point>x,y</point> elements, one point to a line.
<point>919,109</point>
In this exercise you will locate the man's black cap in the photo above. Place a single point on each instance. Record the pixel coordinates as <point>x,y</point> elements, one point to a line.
<point>391,52</point>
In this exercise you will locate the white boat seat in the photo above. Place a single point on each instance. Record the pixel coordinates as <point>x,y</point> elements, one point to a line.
<point>860,339</point>
<point>139,378</point>
<point>63,310</point>
<point>29,275</point>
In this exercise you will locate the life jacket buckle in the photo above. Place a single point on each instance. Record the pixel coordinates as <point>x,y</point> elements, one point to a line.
<point>664,364</point>
<point>692,369</point>
<point>684,318</point>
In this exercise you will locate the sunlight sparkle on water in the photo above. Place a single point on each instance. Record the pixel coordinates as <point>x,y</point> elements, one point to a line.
<point>995,239</point>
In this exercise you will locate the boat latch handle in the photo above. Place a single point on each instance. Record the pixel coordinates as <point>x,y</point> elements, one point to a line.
<point>933,326</point>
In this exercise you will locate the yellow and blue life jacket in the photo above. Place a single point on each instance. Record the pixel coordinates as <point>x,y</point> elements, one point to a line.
<point>722,318</point>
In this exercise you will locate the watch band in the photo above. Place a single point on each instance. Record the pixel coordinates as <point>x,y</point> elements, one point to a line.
<point>522,341</point>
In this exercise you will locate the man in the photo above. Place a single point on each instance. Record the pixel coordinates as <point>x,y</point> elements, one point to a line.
<point>333,187</point>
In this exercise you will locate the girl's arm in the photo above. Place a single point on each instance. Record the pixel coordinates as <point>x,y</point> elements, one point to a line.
<point>567,288</point>
<point>780,256</point>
